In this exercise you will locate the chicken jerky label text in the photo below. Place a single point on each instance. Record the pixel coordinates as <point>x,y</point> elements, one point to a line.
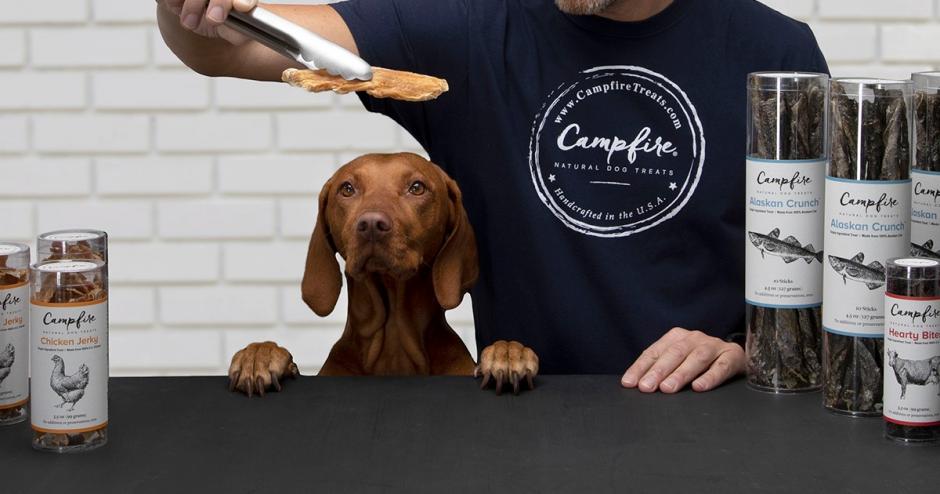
<point>783,247</point>
<point>69,364</point>
<point>14,344</point>
<point>912,361</point>
<point>867,222</point>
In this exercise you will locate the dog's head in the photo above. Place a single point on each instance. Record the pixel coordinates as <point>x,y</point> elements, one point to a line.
<point>392,215</point>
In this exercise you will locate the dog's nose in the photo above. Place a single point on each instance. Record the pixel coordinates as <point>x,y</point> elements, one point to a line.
<point>373,224</point>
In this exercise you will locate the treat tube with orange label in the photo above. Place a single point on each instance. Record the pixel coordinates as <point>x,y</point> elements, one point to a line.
<point>69,355</point>
<point>14,332</point>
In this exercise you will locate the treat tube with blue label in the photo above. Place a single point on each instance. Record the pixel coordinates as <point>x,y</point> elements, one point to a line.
<point>786,170</point>
<point>14,332</point>
<point>69,355</point>
<point>925,183</point>
<point>868,213</point>
<point>912,350</point>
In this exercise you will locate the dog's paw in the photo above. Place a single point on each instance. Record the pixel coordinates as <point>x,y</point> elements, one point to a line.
<point>260,366</point>
<point>507,362</point>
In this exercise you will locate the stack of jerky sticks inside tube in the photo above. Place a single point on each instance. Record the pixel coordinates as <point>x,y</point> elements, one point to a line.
<point>786,132</point>
<point>870,138</point>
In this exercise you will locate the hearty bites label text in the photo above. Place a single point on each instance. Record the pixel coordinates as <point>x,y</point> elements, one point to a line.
<point>912,360</point>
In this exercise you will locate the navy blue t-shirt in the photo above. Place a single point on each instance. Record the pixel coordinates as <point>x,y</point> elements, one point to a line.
<point>601,162</point>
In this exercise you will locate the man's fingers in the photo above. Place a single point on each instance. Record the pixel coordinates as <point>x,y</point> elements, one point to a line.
<point>728,364</point>
<point>217,11</point>
<point>646,360</point>
<point>244,5</point>
<point>665,365</point>
<point>192,12</point>
<point>643,363</point>
<point>694,364</point>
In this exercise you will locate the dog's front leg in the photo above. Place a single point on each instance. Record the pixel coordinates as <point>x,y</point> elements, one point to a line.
<point>507,362</point>
<point>260,366</point>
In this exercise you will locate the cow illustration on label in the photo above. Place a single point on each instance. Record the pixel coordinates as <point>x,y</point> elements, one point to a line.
<point>919,372</point>
<point>69,388</point>
<point>789,249</point>
<point>872,275</point>
<point>925,250</point>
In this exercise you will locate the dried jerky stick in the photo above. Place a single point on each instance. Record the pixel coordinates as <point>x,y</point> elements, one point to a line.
<point>385,83</point>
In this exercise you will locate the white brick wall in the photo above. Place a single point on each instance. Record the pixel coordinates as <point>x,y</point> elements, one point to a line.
<point>208,186</point>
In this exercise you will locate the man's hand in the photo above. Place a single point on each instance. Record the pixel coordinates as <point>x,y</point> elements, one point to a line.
<point>682,356</point>
<point>205,17</point>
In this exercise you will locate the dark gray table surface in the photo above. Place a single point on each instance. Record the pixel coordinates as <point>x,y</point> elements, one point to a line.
<point>441,434</point>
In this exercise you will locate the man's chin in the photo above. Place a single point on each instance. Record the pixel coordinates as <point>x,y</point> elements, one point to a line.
<point>583,7</point>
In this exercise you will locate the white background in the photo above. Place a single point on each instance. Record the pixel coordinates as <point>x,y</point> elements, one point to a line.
<point>208,186</point>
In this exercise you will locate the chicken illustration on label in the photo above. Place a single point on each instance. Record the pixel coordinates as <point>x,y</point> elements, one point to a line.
<point>7,357</point>
<point>69,388</point>
<point>789,249</point>
<point>872,275</point>
<point>925,250</point>
<point>919,372</point>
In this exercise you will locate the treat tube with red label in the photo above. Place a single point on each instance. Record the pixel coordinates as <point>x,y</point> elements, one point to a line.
<point>786,171</point>
<point>78,244</point>
<point>912,350</point>
<point>925,183</point>
<point>868,214</point>
<point>14,332</point>
<point>69,355</point>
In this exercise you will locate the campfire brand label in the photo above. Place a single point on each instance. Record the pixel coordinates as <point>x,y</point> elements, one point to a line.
<point>784,216</point>
<point>14,345</point>
<point>616,151</point>
<point>912,361</point>
<point>925,214</point>
<point>69,364</point>
<point>867,222</point>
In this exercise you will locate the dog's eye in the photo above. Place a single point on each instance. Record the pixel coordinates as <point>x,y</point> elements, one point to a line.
<point>347,189</point>
<point>417,188</point>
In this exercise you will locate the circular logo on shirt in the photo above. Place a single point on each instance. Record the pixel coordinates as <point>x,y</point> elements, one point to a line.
<point>617,151</point>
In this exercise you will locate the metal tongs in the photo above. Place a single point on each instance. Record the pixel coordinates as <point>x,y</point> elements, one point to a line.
<point>297,43</point>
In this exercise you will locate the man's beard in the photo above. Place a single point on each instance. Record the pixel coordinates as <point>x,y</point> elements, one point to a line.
<point>583,7</point>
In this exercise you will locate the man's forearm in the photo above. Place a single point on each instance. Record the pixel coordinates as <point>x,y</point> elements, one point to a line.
<point>208,56</point>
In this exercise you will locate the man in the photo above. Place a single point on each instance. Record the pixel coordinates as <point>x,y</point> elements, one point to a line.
<point>600,148</point>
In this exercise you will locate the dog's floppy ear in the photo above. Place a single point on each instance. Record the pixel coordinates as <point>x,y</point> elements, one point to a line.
<point>455,267</point>
<point>322,278</point>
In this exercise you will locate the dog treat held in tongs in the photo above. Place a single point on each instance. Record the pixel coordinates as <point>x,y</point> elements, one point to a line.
<point>385,83</point>
<point>786,161</point>
<point>868,193</point>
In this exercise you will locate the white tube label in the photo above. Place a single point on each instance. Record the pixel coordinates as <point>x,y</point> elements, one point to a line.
<point>925,214</point>
<point>14,345</point>
<point>783,248</point>
<point>867,223</point>
<point>69,363</point>
<point>912,361</point>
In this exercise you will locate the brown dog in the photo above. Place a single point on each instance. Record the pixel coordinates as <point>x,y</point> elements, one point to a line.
<point>398,221</point>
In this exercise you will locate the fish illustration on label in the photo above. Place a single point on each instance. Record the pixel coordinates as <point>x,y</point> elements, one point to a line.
<point>789,249</point>
<point>925,250</point>
<point>872,275</point>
